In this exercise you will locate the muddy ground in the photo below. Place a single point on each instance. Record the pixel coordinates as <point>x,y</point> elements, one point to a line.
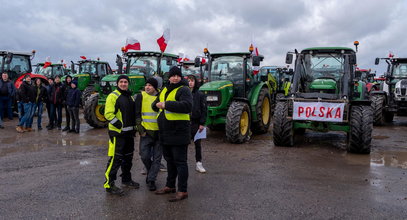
<point>53,174</point>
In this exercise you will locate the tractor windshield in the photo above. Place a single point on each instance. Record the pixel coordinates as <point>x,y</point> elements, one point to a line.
<point>320,66</point>
<point>227,68</point>
<point>47,71</point>
<point>400,70</point>
<point>190,70</point>
<point>144,65</point>
<point>88,67</point>
<point>19,65</point>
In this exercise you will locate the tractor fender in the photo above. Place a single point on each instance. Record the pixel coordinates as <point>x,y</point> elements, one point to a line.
<point>254,95</point>
<point>20,79</point>
<point>380,92</point>
<point>361,102</point>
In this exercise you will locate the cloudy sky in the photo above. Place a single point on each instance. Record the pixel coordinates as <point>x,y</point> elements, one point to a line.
<point>67,29</point>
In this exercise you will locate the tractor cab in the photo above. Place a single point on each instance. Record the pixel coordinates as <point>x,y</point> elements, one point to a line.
<point>280,78</point>
<point>90,72</point>
<point>195,67</point>
<point>50,71</point>
<point>17,65</point>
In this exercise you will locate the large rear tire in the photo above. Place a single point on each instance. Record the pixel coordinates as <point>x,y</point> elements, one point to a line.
<point>361,126</point>
<point>94,112</point>
<point>238,123</point>
<point>87,93</point>
<point>263,111</point>
<point>283,132</point>
<point>378,105</point>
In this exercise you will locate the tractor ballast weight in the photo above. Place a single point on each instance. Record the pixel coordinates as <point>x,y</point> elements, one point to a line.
<point>238,100</point>
<point>140,65</point>
<point>325,96</point>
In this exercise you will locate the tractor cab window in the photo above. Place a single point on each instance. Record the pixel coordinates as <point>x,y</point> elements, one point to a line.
<point>19,65</point>
<point>324,66</point>
<point>144,66</point>
<point>165,68</point>
<point>228,68</point>
<point>58,71</point>
<point>47,71</point>
<point>88,68</point>
<point>400,70</point>
<point>102,69</point>
<point>190,70</point>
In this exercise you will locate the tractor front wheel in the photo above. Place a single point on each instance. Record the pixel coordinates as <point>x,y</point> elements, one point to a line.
<point>283,132</point>
<point>94,112</point>
<point>361,126</point>
<point>238,122</point>
<point>263,111</point>
<point>87,93</point>
<point>378,105</point>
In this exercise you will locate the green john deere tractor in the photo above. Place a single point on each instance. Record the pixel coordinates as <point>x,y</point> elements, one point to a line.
<point>238,99</point>
<point>89,75</point>
<point>50,71</point>
<point>140,65</point>
<point>325,96</point>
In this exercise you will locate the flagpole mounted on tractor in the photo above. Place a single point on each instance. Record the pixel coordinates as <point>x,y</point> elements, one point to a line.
<point>162,43</point>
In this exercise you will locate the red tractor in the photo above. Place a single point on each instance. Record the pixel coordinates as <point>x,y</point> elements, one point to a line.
<point>18,65</point>
<point>369,78</point>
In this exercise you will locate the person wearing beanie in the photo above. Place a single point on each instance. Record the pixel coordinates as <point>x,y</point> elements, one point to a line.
<point>27,97</point>
<point>73,100</point>
<point>120,112</point>
<point>198,119</point>
<point>57,100</point>
<point>150,149</point>
<point>66,87</point>
<point>40,98</point>
<point>174,105</point>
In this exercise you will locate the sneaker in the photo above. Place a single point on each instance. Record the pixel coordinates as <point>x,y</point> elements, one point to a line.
<point>19,129</point>
<point>114,190</point>
<point>132,184</point>
<point>151,186</point>
<point>144,171</point>
<point>163,168</point>
<point>200,168</point>
<point>77,131</point>
<point>65,129</point>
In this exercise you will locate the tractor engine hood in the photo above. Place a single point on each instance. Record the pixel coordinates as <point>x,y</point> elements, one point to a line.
<point>323,86</point>
<point>216,85</point>
<point>218,93</point>
<point>401,88</point>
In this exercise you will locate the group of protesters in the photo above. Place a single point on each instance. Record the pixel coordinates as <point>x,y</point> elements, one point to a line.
<point>166,119</point>
<point>31,97</point>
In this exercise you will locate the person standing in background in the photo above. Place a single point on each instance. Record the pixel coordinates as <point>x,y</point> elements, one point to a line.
<point>73,100</point>
<point>66,88</point>
<point>27,97</point>
<point>40,99</point>
<point>7,94</point>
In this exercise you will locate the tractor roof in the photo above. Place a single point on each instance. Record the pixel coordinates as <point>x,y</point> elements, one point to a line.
<point>150,53</point>
<point>5,52</point>
<point>52,64</point>
<point>232,54</point>
<point>92,61</point>
<point>328,50</point>
<point>399,60</point>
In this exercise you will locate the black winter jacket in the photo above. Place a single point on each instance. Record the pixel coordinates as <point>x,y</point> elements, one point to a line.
<point>27,93</point>
<point>199,107</point>
<point>57,93</point>
<point>175,132</point>
<point>73,97</point>
<point>42,96</point>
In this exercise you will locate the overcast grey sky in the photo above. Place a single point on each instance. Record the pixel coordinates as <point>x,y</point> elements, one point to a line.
<point>67,29</point>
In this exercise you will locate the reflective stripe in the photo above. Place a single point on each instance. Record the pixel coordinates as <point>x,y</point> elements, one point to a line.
<point>150,120</point>
<point>116,94</point>
<point>114,120</point>
<point>112,146</point>
<point>128,128</point>
<point>149,113</point>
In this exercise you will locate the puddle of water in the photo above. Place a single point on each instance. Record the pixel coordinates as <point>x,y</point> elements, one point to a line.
<point>389,159</point>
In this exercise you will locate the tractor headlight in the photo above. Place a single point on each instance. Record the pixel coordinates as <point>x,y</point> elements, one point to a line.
<point>113,83</point>
<point>103,83</point>
<point>212,98</point>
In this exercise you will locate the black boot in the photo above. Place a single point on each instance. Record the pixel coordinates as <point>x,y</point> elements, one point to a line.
<point>151,186</point>
<point>66,129</point>
<point>131,184</point>
<point>114,190</point>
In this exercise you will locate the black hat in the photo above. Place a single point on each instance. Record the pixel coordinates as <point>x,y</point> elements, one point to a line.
<point>175,71</point>
<point>122,77</point>
<point>153,82</point>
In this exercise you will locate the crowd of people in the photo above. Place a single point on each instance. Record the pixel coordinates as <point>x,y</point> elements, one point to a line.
<point>33,95</point>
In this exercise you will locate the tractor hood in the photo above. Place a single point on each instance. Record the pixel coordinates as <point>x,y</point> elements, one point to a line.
<point>110,78</point>
<point>323,84</point>
<point>216,85</point>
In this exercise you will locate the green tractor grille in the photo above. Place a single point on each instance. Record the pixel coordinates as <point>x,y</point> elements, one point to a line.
<point>213,98</point>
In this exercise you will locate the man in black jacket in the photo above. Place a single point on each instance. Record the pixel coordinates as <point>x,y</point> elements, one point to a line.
<point>7,93</point>
<point>73,99</point>
<point>40,98</point>
<point>174,104</point>
<point>27,96</point>
<point>66,88</point>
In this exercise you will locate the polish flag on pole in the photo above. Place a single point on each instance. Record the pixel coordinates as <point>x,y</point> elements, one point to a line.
<point>132,44</point>
<point>83,57</point>
<point>47,62</point>
<point>163,40</point>
<point>255,52</point>
<point>391,54</point>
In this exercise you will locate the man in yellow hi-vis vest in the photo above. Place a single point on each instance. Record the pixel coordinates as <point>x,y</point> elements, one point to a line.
<point>146,122</point>
<point>174,105</point>
<point>120,112</point>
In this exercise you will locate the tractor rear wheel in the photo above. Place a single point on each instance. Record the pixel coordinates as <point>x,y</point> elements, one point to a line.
<point>87,93</point>
<point>94,112</point>
<point>238,122</point>
<point>361,126</point>
<point>263,111</point>
<point>378,104</point>
<point>283,132</point>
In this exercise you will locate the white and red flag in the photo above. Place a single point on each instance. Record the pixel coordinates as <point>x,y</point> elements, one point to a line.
<point>47,62</point>
<point>163,40</point>
<point>83,57</point>
<point>132,44</point>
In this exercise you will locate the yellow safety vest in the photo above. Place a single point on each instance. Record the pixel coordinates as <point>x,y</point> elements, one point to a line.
<point>111,115</point>
<point>148,115</point>
<point>172,116</point>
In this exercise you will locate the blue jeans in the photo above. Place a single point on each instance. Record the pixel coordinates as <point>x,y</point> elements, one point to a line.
<point>36,106</point>
<point>20,106</point>
<point>5,104</point>
<point>151,153</point>
<point>28,113</point>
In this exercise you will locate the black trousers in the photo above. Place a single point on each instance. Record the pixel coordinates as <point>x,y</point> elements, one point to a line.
<point>74,115</point>
<point>67,116</point>
<point>177,166</point>
<point>198,147</point>
<point>123,148</point>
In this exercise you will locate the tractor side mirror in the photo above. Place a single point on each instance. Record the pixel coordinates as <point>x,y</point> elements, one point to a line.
<point>289,58</point>
<point>256,61</point>
<point>72,67</point>
<point>9,58</point>
<point>169,62</point>
<point>352,59</point>
<point>197,62</point>
<point>377,61</point>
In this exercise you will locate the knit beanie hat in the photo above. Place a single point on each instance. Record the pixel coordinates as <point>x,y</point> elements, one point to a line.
<point>153,82</point>
<point>122,77</point>
<point>175,71</point>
